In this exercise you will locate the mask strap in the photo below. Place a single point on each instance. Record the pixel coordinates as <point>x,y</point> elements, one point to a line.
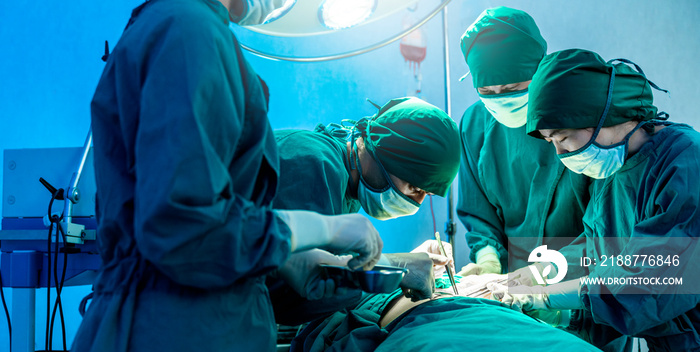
<point>639,69</point>
<point>649,125</point>
<point>663,116</point>
<point>607,107</point>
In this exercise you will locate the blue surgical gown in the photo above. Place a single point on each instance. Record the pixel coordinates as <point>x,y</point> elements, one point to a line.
<point>655,195</point>
<point>315,176</point>
<point>186,169</point>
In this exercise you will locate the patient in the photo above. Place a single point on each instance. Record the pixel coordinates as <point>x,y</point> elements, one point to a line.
<point>470,321</point>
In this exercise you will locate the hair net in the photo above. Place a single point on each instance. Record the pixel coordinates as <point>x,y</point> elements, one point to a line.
<point>570,90</point>
<point>502,46</point>
<point>414,141</point>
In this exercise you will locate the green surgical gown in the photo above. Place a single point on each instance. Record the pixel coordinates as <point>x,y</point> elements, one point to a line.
<point>513,185</point>
<point>314,175</point>
<point>186,169</point>
<point>655,194</point>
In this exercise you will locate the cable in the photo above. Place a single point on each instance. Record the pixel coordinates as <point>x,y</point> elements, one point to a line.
<point>58,304</point>
<point>7,312</point>
<point>59,288</point>
<point>50,316</point>
<point>48,273</point>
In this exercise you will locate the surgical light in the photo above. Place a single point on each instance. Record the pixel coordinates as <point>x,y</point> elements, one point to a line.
<point>339,14</point>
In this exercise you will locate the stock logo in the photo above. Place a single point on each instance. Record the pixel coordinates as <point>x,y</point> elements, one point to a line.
<point>543,255</point>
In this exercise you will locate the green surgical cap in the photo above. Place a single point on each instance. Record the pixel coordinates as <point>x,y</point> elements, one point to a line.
<point>570,90</point>
<point>414,141</point>
<point>502,46</point>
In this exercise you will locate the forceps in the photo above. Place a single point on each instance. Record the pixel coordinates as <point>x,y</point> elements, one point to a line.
<point>447,267</point>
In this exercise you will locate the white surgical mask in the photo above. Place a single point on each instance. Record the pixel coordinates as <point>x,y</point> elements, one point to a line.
<point>509,109</point>
<point>257,11</point>
<point>386,203</point>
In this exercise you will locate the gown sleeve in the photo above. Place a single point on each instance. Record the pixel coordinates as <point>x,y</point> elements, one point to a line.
<point>480,217</point>
<point>670,221</point>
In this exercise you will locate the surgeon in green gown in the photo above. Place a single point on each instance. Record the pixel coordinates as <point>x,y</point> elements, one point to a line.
<point>186,168</point>
<point>386,164</point>
<point>511,187</point>
<point>601,120</point>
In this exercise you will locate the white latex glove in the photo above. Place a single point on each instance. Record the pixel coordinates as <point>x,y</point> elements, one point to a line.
<point>337,234</point>
<point>439,261</point>
<point>524,276</point>
<point>564,295</point>
<point>487,262</point>
<point>554,318</point>
<point>302,271</point>
<point>419,282</point>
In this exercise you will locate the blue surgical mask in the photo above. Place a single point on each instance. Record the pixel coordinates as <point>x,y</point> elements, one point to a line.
<point>386,203</point>
<point>509,109</point>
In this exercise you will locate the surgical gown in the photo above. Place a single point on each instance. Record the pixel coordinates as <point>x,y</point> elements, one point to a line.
<point>655,194</point>
<point>314,175</point>
<point>186,169</point>
<point>513,186</point>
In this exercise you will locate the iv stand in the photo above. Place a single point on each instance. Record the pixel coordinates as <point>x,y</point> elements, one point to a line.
<point>450,225</point>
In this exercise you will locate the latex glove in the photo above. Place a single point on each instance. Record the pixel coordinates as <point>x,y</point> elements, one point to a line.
<point>338,234</point>
<point>302,271</point>
<point>419,282</point>
<point>487,262</point>
<point>439,261</point>
<point>554,318</point>
<point>564,295</point>
<point>524,276</point>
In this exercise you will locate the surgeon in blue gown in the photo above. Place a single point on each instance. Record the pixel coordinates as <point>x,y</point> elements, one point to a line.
<point>601,120</point>
<point>186,168</point>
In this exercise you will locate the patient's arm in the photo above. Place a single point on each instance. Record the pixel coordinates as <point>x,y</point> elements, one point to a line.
<point>469,286</point>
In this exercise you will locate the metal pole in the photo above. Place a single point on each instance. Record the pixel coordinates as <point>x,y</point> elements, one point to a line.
<point>450,225</point>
